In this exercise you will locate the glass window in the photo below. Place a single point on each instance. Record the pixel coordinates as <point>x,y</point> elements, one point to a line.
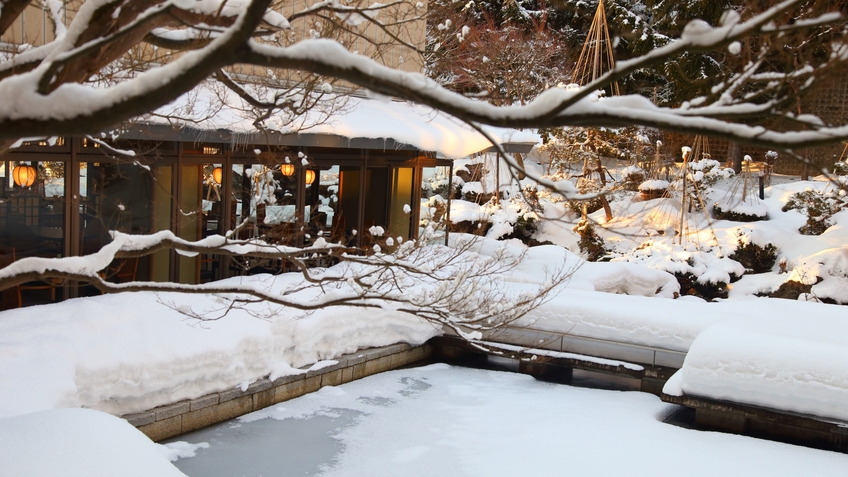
<point>32,222</point>
<point>401,203</point>
<point>129,198</point>
<point>190,219</point>
<point>332,203</point>
<point>32,212</point>
<point>435,189</point>
<point>276,202</point>
<point>376,202</point>
<point>265,198</point>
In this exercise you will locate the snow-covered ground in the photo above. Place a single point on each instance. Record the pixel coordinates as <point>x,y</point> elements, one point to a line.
<point>435,420</point>
<point>130,352</point>
<point>133,351</point>
<point>647,231</point>
<point>770,352</point>
<point>79,443</point>
<point>442,420</point>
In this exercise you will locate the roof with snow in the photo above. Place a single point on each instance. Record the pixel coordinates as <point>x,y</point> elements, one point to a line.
<point>357,123</point>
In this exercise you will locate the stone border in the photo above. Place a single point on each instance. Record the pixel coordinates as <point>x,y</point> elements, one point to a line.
<point>748,419</point>
<point>652,378</point>
<point>185,416</point>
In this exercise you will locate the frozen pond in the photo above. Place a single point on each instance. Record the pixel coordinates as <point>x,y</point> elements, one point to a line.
<point>442,420</point>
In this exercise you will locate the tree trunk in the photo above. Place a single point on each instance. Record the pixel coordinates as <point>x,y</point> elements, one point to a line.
<point>520,161</point>
<point>805,169</point>
<point>734,156</point>
<point>607,209</point>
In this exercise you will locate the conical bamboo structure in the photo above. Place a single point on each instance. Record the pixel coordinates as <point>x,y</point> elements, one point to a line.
<point>596,57</point>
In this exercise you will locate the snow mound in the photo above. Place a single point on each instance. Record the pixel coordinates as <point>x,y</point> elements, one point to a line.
<point>752,208</point>
<point>629,279</point>
<point>770,361</point>
<point>654,185</point>
<point>130,352</point>
<point>78,443</point>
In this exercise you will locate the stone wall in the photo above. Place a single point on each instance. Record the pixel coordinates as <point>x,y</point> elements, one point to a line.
<point>174,419</point>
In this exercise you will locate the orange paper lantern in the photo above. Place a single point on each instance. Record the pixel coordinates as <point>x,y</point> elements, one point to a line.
<point>24,176</point>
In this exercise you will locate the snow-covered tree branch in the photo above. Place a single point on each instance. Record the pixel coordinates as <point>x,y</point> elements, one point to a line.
<point>46,98</point>
<point>455,287</point>
<point>77,85</point>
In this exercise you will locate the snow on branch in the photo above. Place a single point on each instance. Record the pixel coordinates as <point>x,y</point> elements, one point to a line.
<point>75,109</point>
<point>43,97</point>
<point>453,287</point>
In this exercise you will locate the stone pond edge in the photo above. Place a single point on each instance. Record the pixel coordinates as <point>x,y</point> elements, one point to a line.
<point>185,416</point>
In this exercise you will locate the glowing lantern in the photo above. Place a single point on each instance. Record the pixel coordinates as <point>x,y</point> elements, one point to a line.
<point>287,169</point>
<point>310,176</point>
<point>24,176</point>
<point>217,175</point>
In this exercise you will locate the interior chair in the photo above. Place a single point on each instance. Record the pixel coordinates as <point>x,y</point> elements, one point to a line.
<point>28,289</point>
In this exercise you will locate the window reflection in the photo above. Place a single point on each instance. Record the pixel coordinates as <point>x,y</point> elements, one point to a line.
<point>32,223</point>
<point>342,192</point>
<point>435,189</point>
<point>124,197</point>
<point>32,209</point>
<point>401,204</point>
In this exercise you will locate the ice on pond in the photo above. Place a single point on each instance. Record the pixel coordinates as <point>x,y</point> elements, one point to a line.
<point>443,420</point>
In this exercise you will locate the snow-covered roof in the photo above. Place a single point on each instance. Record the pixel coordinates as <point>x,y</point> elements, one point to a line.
<point>419,126</point>
<point>394,124</point>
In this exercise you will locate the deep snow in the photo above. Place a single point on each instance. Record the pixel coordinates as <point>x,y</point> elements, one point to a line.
<point>130,352</point>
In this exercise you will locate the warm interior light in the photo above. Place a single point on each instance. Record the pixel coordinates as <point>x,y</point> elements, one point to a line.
<point>287,169</point>
<point>217,175</point>
<point>310,176</point>
<point>24,176</point>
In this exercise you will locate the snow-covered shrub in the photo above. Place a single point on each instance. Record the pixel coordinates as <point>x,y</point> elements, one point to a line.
<point>433,212</point>
<point>818,206</point>
<point>653,185</point>
<point>633,177</point>
<point>653,189</point>
<point>707,172</point>
<point>790,290</point>
<point>703,174</point>
<point>590,243</point>
<point>840,168</point>
<point>754,257</point>
<point>741,211</point>
<point>525,227</point>
<point>690,285</point>
<point>700,271</point>
<point>516,217</point>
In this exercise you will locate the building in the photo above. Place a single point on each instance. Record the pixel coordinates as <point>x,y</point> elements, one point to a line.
<point>362,168</point>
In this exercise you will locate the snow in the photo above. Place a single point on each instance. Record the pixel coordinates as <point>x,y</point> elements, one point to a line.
<point>155,356</point>
<point>78,443</point>
<point>352,117</point>
<point>134,351</point>
<point>767,359</point>
<point>624,304</point>
<point>130,352</point>
<point>177,450</point>
<point>442,420</point>
<point>654,185</point>
<point>558,354</point>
